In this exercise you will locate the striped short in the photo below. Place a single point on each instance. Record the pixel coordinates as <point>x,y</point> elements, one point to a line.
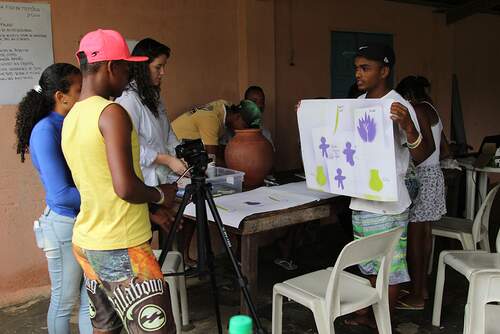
<point>126,289</point>
<point>365,224</point>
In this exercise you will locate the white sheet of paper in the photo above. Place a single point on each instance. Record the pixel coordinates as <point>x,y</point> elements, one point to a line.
<point>348,147</point>
<point>236,207</point>
<point>25,47</point>
<point>300,188</point>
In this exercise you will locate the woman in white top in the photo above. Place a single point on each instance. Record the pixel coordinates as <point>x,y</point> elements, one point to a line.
<point>142,101</point>
<point>157,140</point>
<point>429,204</point>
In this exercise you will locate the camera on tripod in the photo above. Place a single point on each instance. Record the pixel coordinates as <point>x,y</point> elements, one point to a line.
<point>194,153</point>
<point>199,192</point>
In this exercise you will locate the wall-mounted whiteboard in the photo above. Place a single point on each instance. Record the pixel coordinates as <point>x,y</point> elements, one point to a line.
<point>25,47</point>
<point>348,147</point>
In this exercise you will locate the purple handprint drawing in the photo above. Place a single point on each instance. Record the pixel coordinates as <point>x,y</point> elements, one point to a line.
<point>367,128</point>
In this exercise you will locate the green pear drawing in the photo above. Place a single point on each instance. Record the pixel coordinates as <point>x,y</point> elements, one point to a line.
<point>320,176</point>
<point>376,183</point>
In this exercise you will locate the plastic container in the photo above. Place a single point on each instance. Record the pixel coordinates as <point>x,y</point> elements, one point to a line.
<point>225,181</point>
<point>240,324</point>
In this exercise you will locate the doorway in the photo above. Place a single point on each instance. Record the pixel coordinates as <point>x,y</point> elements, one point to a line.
<point>344,45</point>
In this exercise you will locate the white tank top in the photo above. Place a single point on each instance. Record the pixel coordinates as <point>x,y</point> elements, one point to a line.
<point>437,128</point>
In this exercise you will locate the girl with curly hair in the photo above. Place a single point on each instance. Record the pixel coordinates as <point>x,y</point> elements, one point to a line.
<point>38,128</point>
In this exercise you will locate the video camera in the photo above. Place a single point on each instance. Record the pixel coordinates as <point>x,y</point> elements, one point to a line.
<point>194,153</point>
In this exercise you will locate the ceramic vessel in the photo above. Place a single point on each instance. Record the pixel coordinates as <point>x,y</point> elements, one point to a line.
<point>250,152</point>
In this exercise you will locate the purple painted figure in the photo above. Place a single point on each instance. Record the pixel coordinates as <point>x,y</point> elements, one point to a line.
<point>340,179</point>
<point>349,153</point>
<point>324,146</point>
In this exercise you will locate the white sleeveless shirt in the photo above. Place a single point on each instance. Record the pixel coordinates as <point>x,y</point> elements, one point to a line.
<point>433,159</point>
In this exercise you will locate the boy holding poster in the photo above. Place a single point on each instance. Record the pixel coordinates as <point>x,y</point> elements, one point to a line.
<point>373,66</point>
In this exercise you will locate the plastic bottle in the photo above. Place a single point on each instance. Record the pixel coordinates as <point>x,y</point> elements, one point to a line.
<point>240,324</point>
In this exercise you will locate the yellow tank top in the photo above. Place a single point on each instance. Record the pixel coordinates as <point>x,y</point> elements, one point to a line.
<point>105,221</point>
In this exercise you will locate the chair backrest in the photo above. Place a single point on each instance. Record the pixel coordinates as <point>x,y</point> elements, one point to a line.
<point>378,246</point>
<point>484,288</point>
<point>480,227</point>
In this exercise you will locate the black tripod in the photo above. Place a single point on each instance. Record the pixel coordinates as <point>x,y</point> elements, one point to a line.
<point>200,192</point>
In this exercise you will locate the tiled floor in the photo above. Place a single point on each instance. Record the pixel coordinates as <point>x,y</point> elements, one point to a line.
<point>317,252</point>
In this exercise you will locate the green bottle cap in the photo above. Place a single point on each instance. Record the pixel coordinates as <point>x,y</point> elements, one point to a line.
<point>240,324</point>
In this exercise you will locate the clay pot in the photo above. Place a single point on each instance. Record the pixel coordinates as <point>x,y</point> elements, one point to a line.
<point>250,152</point>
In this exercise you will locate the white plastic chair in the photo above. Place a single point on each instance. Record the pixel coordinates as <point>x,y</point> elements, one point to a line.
<point>177,285</point>
<point>468,232</point>
<point>332,292</point>
<point>466,263</point>
<point>479,317</point>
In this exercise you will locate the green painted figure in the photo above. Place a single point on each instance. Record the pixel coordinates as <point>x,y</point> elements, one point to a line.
<point>320,176</point>
<point>376,183</point>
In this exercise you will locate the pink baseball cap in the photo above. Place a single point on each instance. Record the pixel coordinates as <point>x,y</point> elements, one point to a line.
<point>103,45</point>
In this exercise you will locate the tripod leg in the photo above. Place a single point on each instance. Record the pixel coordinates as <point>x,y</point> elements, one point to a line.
<point>205,253</point>
<point>167,242</point>
<point>211,269</point>
<point>227,244</point>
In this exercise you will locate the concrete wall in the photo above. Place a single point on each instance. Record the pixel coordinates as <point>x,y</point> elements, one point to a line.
<point>422,42</point>
<point>220,47</point>
<point>476,53</point>
<point>205,65</point>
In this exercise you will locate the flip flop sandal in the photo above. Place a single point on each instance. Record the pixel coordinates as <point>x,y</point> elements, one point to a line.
<point>351,321</point>
<point>190,270</point>
<point>401,305</point>
<point>402,293</point>
<point>285,264</point>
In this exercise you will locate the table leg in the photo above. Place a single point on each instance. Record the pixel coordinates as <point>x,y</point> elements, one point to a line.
<point>470,194</point>
<point>249,258</point>
<point>482,187</point>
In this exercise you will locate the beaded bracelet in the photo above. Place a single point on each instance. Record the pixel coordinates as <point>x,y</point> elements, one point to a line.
<point>416,143</point>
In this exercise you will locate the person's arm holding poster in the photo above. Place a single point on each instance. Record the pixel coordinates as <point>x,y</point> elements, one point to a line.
<point>420,149</point>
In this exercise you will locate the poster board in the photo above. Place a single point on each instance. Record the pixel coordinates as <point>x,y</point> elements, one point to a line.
<point>348,147</point>
<point>25,47</point>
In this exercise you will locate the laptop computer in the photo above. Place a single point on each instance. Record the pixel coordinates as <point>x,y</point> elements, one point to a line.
<point>486,154</point>
<point>490,139</point>
<point>495,139</point>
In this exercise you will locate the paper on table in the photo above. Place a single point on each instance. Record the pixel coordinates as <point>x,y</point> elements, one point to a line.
<point>300,188</point>
<point>234,208</point>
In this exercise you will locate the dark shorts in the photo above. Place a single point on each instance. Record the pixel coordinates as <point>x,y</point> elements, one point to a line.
<point>126,288</point>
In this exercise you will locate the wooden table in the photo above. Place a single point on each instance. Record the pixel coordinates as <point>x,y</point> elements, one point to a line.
<point>252,228</point>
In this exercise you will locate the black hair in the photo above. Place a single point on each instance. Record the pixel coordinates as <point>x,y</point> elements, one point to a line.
<point>233,108</point>
<point>139,71</point>
<point>236,109</point>
<point>40,102</point>
<point>87,68</point>
<point>414,87</point>
<point>253,89</point>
